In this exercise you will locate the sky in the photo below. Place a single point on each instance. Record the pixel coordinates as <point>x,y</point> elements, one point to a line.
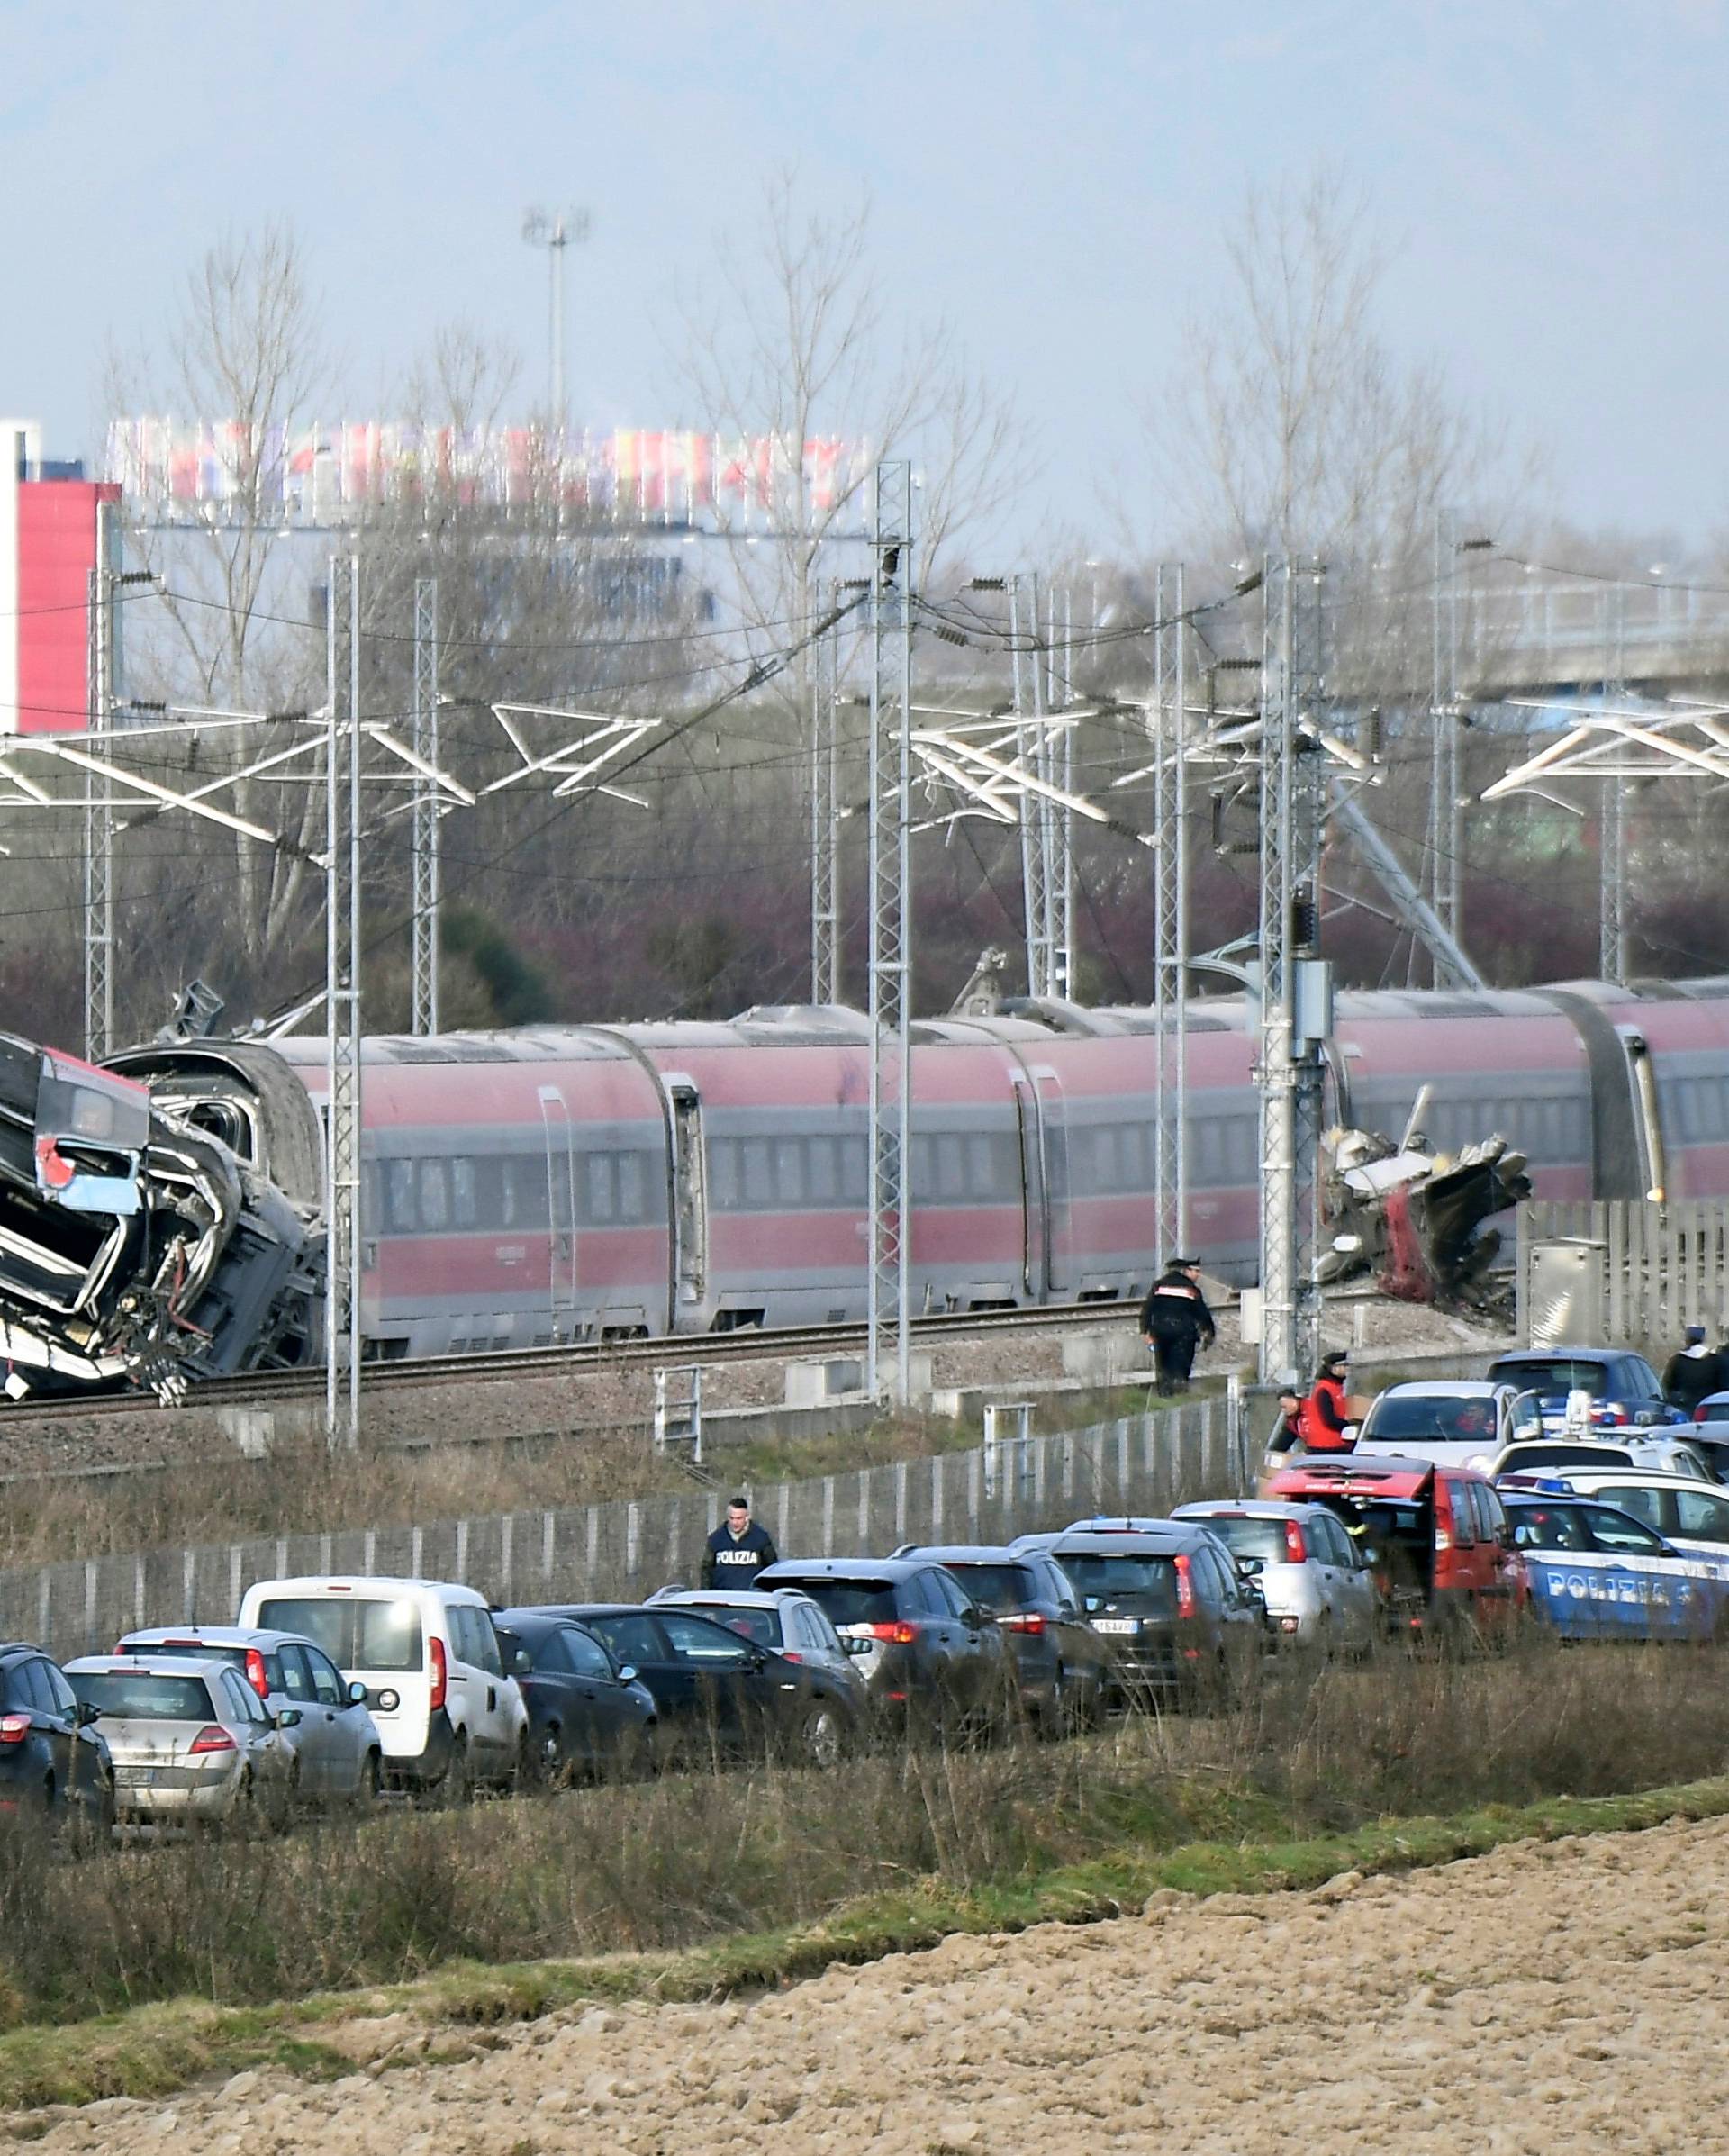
<point>1053,179</point>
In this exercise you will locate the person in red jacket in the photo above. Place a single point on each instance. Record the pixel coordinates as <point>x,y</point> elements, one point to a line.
<point>1326,1412</point>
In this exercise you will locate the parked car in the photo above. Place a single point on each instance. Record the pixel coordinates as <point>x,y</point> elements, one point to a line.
<point>779,1619</point>
<point>586,1714</point>
<point>1182,1624</point>
<point>1434,1536</point>
<point>1692,1514</point>
<point>1062,1664</point>
<point>1654,1453</point>
<point>448,1719</point>
<point>1463,1420</point>
<point>1319,1590</point>
<point>715,1693</point>
<point>54,1762</point>
<point>1624,1391</point>
<point>931,1658</point>
<point>1599,1573</point>
<point>190,1740</point>
<point>338,1756</point>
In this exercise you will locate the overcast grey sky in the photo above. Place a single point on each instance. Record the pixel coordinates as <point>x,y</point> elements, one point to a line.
<point>1551,175</point>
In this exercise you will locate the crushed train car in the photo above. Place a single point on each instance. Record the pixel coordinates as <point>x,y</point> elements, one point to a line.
<point>1416,1219</point>
<point>136,1248</point>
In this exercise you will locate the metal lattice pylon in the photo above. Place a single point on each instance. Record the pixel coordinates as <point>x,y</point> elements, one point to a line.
<point>1032,753</point>
<point>1612,866</point>
<point>1289,1078</point>
<point>99,811</point>
<point>342,740</point>
<point>890,911</point>
<point>1446,830</point>
<point>825,812</point>
<point>1170,911</point>
<point>424,1015</point>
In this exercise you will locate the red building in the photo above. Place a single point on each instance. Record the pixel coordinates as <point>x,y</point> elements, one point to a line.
<point>49,527</point>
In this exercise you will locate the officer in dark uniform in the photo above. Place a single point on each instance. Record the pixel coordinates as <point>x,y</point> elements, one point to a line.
<point>739,1551</point>
<point>1175,1321</point>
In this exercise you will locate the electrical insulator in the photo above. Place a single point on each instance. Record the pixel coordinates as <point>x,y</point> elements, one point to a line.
<point>1305,921</point>
<point>1218,823</point>
<point>1369,735</point>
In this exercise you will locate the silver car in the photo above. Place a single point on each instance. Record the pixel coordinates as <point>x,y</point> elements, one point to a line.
<point>338,1752</point>
<point>1319,1593</point>
<point>191,1741</point>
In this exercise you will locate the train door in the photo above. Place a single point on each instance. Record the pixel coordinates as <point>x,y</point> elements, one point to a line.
<point>1032,1190</point>
<point>689,1198</point>
<point>1054,1150</point>
<point>561,1213</point>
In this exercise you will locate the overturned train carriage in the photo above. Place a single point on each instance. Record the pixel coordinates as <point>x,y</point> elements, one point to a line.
<point>559,1183</point>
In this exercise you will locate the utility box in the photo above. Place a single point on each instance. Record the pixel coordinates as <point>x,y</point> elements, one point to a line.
<point>1563,1292</point>
<point>814,1384</point>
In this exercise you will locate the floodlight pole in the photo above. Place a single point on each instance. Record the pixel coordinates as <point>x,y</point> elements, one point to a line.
<point>99,811</point>
<point>425,1016</point>
<point>890,912</point>
<point>342,1007</point>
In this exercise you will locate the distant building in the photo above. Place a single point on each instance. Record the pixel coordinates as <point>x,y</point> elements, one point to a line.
<point>48,549</point>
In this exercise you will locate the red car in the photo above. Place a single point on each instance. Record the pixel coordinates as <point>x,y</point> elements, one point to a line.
<point>1436,1537</point>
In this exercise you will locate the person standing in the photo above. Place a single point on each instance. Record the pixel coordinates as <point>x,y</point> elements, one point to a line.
<point>1693,1371</point>
<point>1175,1322</point>
<point>737,1552</point>
<point>1288,1431</point>
<point>1327,1409</point>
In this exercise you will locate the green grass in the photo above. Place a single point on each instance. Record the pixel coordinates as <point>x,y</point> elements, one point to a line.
<point>154,2050</point>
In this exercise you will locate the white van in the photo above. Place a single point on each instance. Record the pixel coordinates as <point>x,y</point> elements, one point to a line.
<point>447,1716</point>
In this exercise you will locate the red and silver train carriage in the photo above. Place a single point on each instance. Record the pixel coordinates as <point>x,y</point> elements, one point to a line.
<point>560,1183</point>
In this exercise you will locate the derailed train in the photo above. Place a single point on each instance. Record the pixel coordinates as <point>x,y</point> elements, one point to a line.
<point>567,1183</point>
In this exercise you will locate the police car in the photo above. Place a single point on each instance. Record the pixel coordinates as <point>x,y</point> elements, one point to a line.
<point>1684,1509</point>
<point>1599,1573</point>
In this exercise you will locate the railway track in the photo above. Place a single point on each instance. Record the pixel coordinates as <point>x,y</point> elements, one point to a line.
<point>748,1344</point>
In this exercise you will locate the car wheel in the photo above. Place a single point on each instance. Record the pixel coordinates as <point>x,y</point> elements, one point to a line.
<point>522,1767</point>
<point>551,1769</point>
<point>458,1787</point>
<point>821,1740</point>
<point>370,1787</point>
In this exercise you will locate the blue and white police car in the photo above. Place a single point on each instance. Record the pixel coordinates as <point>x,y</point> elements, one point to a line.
<point>1599,1573</point>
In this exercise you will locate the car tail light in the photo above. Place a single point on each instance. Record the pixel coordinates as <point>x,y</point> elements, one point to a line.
<point>899,1633</point>
<point>440,1675</point>
<point>1185,1588</point>
<point>13,1728</point>
<point>255,1674</point>
<point>1701,1413</point>
<point>1296,1548</point>
<point>790,1655</point>
<point>1024,1620</point>
<point>212,1737</point>
<point>1442,1515</point>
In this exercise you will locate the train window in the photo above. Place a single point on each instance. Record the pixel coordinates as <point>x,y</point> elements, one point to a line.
<point>632,1187</point>
<point>951,1166</point>
<point>922,1173</point>
<point>463,1208</point>
<point>980,1169</point>
<point>723,1174</point>
<point>1106,1166</point>
<point>369,1210</point>
<point>825,1175</point>
<point>435,1203</point>
<point>788,1171</point>
<point>603,1193</point>
<point>854,1171</point>
<point>400,1191</point>
<point>759,1173</point>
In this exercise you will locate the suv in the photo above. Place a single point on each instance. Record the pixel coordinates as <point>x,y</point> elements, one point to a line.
<point>1434,1536</point>
<point>1625,1391</point>
<point>337,1751</point>
<point>1165,1595</point>
<point>1062,1664</point>
<point>1318,1591</point>
<point>447,1716</point>
<point>53,1759</point>
<point>928,1654</point>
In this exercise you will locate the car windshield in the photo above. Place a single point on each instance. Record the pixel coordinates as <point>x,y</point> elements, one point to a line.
<point>1555,1374</point>
<point>1547,1528</point>
<point>1518,1457</point>
<point>175,1650</point>
<point>1151,1580</point>
<point>997,1588</point>
<point>1264,1538</point>
<point>130,1696</point>
<point>356,1632</point>
<point>761,1626</point>
<point>1431,1414</point>
<point>853,1602</point>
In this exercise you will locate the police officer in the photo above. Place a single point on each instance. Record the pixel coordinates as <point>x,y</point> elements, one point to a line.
<point>1692,1372</point>
<point>737,1552</point>
<point>1175,1321</point>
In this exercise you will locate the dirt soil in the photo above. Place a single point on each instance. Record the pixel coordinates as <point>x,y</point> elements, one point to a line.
<point>1551,1998</point>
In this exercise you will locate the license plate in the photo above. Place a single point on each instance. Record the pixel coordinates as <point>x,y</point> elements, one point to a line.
<point>1115,1624</point>
<point>132,1778</point>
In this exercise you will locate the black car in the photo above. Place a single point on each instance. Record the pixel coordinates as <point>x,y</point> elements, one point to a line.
<point>1182,1623</point>
<point>716,1692</point>
<point>587,1715</point>
<point>1062,1664</point>
<point>54,1764</point>
<point>933,1658</point>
